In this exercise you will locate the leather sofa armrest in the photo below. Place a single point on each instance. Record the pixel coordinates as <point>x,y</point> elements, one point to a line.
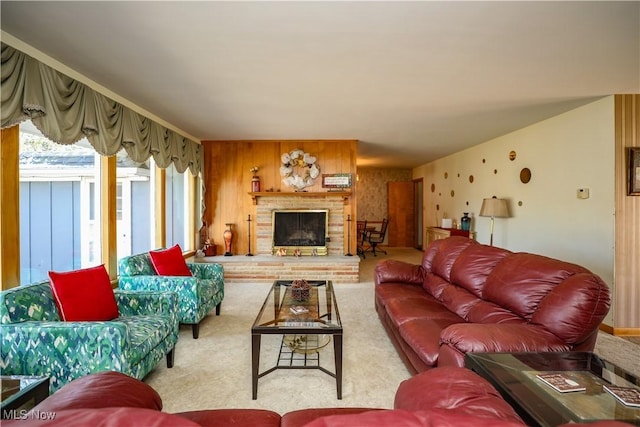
<point>462,338</point>
<point>398,271</point>
<point>102,390</point>
<point>454,388</point>
<point>106,417</point>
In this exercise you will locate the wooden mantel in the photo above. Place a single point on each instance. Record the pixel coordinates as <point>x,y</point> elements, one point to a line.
<point>256,195</point>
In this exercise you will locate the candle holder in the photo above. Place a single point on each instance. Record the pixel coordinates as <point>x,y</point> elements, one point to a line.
<point>348,236</point>
<point>249,233</point>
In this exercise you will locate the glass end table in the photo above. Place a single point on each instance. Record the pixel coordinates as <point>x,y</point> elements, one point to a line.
<point>515,376</point>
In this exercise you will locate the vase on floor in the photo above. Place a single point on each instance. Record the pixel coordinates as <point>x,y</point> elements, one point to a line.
<point>228,240</point>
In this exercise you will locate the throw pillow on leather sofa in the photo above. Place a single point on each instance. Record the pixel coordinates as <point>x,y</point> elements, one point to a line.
<point>469,297</point>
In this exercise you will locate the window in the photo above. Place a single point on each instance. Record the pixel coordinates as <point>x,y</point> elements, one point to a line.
<point>134,205</point>
<point>59,207</point>
<point>176,211</point>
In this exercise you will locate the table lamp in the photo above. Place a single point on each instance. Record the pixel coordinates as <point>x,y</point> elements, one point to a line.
<point>494,208</point>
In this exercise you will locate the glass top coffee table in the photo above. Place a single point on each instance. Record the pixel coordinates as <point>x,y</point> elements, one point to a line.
<point>515,376</point>
<point>306,326</point>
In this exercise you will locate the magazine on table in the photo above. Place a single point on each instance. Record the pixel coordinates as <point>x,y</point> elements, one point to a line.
<point>630,396</point>
<point>298,309</point>
<point>561,382</point>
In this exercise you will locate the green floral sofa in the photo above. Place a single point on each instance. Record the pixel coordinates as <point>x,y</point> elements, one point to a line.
<point>34,341</point>
<point>197,295</point>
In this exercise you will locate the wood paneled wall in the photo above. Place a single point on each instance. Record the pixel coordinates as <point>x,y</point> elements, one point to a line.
<point>626,299</point>
<point>227,180</point>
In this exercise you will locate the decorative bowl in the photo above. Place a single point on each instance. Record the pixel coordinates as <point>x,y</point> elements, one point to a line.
<point>300,290</point>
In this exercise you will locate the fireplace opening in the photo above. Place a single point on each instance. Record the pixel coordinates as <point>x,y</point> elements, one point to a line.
<point>302,230</point>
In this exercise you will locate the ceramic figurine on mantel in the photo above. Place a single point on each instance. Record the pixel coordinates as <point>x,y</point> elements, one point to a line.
<point>228,238</point>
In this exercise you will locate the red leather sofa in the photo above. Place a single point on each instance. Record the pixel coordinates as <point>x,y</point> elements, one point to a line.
<point>440,397</point>
<point>470,297</point>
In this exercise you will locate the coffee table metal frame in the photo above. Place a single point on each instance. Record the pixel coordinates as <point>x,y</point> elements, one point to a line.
<point>538,404</point>
<point>275,317</point>
<point>32,390</point>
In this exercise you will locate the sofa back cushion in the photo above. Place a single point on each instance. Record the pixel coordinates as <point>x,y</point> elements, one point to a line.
<point>25,303</point>
<point>523,280</point>
<point>136,265</point>
<point>485,284</point>
<point>473,265</point>
<point>446,255</point>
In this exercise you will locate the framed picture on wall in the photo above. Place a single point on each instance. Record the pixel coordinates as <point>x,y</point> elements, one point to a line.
<point>336,181</point>
<point>633,155</point>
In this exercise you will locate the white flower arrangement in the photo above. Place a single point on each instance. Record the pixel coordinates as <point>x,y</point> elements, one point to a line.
<point>298,159</point>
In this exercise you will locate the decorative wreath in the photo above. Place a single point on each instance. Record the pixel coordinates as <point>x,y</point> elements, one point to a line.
<point>293,162</point>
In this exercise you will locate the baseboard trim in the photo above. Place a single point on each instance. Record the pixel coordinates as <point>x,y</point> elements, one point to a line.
<point>627,332</point>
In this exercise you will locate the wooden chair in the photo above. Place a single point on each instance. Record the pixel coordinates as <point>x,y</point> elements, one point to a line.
<point>375,237</point>
<point>361,234</point>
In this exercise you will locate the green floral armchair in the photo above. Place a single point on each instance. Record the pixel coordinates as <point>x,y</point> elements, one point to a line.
<point>197,295</point>
<point>36,342</point>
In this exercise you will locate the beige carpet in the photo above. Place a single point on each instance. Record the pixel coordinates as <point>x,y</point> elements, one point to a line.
<point>214,371</point>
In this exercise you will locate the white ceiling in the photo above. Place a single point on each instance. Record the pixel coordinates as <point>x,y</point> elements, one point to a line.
<point>413,81</point>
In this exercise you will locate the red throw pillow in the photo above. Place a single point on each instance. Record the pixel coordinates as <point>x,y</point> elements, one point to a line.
<point>84,295</point>
<point>169,262</point>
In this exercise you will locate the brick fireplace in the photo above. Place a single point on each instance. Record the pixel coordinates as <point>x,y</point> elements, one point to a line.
<point>265,205</point>
<point>264,266</point>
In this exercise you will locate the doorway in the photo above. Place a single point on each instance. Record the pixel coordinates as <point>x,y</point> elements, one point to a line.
<point>417,215</point>
<point>401,210</point>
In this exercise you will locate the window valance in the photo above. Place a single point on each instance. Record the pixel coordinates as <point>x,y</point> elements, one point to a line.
<point>65,111</point>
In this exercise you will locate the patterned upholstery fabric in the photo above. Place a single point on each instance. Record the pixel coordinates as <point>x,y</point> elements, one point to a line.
<point>35,342</point>
<point>197,295</point>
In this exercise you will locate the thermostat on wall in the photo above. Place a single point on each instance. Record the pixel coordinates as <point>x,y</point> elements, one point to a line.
<point>583,193</point>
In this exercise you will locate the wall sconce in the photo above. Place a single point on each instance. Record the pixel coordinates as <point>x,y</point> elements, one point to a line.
<point>494,208</point>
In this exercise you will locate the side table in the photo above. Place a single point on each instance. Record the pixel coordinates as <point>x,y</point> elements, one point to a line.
<point>20,393</point>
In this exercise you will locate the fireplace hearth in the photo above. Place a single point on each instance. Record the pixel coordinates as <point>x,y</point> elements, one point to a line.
<point>300,230</point>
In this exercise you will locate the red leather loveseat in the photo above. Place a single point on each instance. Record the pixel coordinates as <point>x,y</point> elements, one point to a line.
<point>469,297</point>
<point>443,397</point>
<point>456,395</point>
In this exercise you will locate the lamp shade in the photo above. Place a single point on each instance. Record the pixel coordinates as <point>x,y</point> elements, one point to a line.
<point>496,208</point>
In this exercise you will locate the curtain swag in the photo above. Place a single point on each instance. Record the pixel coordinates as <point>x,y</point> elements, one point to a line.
<point>65,111</point>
